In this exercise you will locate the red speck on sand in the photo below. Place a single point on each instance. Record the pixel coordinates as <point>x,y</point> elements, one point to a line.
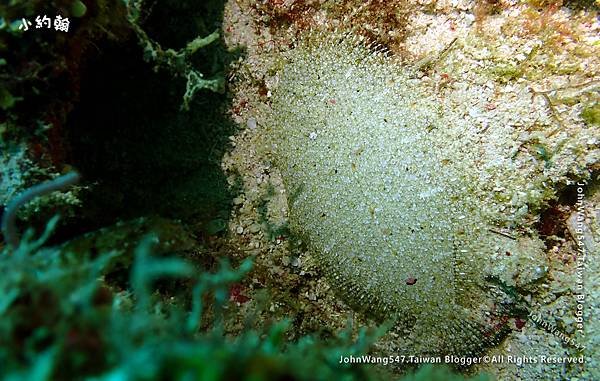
<point>235,294</point>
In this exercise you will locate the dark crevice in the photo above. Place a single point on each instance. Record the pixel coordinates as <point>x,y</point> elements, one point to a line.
<point>553,219</point>
<point>138,152</point>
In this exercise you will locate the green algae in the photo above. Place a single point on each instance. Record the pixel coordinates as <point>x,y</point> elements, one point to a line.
<point>591,115</point>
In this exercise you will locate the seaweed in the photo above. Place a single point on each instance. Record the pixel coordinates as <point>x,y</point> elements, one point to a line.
<point>62,320</point>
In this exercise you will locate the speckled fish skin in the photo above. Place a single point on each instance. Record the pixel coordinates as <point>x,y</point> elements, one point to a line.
<point>390,217</point>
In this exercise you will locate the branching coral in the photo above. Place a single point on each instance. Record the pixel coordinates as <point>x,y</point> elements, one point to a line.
<point>178,62</point>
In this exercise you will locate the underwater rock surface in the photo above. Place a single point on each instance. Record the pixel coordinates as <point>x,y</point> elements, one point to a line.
<point>388,204</point>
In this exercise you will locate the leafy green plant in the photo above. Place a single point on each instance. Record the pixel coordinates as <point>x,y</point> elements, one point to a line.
<point>60,319</point>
